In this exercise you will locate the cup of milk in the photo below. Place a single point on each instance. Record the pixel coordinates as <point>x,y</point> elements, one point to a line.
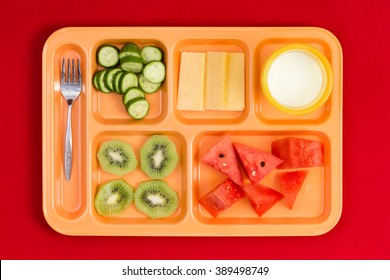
<point>297,79</point>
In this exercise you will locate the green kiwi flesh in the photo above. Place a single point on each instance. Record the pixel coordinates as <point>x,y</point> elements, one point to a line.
<point>156,199</point>
<point>117,157</point>
<point>158,157</point>
<point>113,198</point>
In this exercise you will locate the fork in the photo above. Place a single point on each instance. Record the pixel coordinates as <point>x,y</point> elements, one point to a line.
<point>70,90</point>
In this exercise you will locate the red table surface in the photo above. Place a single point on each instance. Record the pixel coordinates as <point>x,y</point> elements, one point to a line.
<point>363,29</point>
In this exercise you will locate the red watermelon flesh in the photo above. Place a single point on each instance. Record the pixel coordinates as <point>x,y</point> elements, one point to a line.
<point>298,152</point>
<point>221,197</point>
<point>222,157</point>
<point>257,163</point>
<point>291,183</point>
<point>261,197</point>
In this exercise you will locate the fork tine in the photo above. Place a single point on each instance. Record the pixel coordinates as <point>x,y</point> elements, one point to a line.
<point>68,72</point>
<point>73,72</point>
<point>78,71</point>
<point>63,71</point>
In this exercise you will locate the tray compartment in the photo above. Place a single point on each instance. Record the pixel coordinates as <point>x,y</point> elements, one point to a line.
<point>109,109</point>
<point>68,196</point>
<point>177,179</point>
<point>312,205</point>
<point>204,45</point>
<point>265,111</point>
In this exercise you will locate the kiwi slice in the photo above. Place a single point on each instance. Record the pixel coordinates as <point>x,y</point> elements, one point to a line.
<point>113,198</point>
<point>117,157</point>
<point>156,199</point>
<point>158,157</point>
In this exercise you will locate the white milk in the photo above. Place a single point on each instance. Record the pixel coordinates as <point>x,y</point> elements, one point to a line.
<point>295,79</point>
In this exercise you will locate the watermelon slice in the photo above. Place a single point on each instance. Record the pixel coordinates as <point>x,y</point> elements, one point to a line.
<point>261,197</point>
<point>222,157</point>
<point>257,163</point>
<point>298,152</point>
<point>221,197</point>
<point>291,183</point>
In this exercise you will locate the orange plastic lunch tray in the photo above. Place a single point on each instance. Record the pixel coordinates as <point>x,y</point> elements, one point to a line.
<point>97,117</point>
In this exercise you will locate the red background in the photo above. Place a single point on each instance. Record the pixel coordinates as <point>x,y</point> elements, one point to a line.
<point>362,26</point>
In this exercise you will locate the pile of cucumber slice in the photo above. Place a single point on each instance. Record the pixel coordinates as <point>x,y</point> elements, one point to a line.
<point>130,71</point>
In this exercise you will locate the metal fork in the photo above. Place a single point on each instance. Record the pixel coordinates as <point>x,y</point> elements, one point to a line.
<point>70,89</point>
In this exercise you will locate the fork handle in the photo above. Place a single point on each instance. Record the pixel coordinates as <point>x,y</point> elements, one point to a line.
<point>68,144</point>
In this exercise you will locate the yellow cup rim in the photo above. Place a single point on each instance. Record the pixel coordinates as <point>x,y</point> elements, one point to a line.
<point>323,95</point>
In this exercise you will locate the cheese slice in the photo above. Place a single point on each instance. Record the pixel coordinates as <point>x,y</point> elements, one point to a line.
<point>215,81</point>
<point>235,82</point>
<point>191,81</point>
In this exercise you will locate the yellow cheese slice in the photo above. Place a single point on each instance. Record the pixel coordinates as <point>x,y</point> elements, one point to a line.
<point>191,81</point>
<point>235,82</point>
<point>215,81</point>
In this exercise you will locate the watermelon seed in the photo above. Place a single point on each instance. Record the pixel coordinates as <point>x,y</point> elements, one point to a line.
<point>224,164</point>
<point>221,155</point>
<point>262,164</point>
<point>254,173</point>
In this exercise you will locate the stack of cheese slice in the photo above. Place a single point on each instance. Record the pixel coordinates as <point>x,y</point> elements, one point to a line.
<point>211,81</point>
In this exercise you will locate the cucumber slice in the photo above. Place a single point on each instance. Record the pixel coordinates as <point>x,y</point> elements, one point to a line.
<point>132,93</point>
<point>132,64</point>
<point>109,76</point>
<point>138,108</point>
<point>126,81</point>
<point>151,53</point>
<point>100,81</point>
<point>115,81</point>
<point>95,80</point>
<point>146,85</point>
<point>154,71</point>
<point>130,49</point>
<point>108,56</point>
